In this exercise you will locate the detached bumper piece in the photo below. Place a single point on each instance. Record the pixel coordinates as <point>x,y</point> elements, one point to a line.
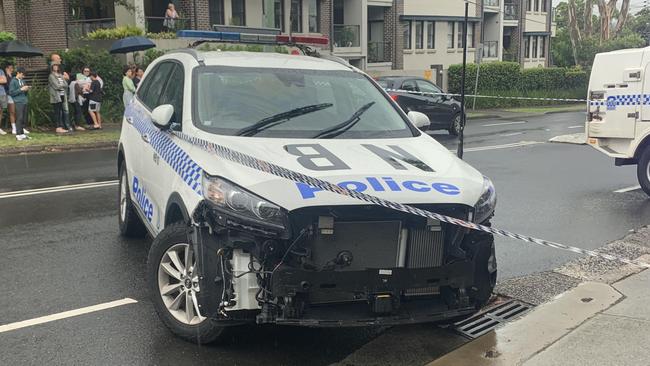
<point>377,296</point>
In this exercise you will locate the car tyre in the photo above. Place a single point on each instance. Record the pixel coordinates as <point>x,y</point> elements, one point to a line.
<point>643,170</point>
<point>194,328</point>
<point>129,222</point>
<point>456,125</point>
<point>485,271</point>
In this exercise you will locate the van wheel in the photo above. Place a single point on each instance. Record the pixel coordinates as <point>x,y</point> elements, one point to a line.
<point>173,281</point>
<point>643,170</point>
<point>130,224</point>
<point>456,125</point>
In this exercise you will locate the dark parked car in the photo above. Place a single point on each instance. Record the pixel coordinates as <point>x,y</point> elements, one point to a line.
<point>442,110</point>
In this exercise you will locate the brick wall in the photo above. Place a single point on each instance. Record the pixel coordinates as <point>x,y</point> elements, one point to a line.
<point>393,33</point>
<point>186,9</point>
<point>326,18</point>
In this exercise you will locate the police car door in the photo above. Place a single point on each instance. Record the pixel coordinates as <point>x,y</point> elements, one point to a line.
<point>153,172</point>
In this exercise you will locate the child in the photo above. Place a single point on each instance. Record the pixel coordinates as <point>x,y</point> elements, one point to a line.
<point>18,91</point>
<point>95,97</point>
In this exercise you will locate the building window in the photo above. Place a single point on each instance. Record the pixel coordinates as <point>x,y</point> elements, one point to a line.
<point>431,35</point>
<point>529,5</point>
<point>544,6</point>
<point>470,35</point>
<point>527,47</point>
<point>407,35</point>
<point>314,16</point>
<point>450,34</point>
<point>273,14</point>
<point>542,47</point>
<point>534,47</point>
<point>536,5</point>
<point>296,16</point>
<point>215,8</point>
<point>238,12</point>
<point>419,35</point>
<point>459,35</point>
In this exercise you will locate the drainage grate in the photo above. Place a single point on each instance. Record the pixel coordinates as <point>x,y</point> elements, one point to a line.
<point>484,322</point>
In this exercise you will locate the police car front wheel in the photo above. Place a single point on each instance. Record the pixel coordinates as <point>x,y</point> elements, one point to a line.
<point>129,222</point>
<point>174,285</point>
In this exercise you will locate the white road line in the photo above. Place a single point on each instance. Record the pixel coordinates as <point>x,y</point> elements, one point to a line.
<point>512,134</point>
<point>504,123</point>
<point>572,127</point>
<point>71,187</point>
<point>504,146</point>
<point>65,314</point>
<point>627,189</point>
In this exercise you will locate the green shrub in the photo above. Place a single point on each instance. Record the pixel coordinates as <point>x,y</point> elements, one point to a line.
<point>492,75</point>
<point>150,55</point>
<point>161,35</point>
<point>115,33</point>
<point>40,109</point>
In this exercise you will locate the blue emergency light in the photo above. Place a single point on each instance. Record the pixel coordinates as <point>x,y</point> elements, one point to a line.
<point>279,39</point>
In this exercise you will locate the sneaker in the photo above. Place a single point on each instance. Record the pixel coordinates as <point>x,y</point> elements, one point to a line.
<point>21,137</point>
<point>2,132</point>
<point>79,128</point>
<point>25,131</point>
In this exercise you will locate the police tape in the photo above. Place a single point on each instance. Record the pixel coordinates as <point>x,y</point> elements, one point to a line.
<point>264,166</point>
<point>486,96</point>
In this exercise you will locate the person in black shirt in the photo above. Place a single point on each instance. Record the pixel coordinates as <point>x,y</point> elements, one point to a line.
<point>95,98</point>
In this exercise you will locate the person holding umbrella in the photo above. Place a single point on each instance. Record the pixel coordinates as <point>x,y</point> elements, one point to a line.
<point>127,84</point>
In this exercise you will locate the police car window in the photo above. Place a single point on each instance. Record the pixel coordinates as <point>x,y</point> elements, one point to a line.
<point>427,87</point>
<point>229,99</point>
<point>173,93</point>
<point>155,84</point>
<point>409,85</point>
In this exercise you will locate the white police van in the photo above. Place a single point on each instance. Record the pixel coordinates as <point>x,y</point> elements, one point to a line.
<point>618,118</point>
<point>235,245</point>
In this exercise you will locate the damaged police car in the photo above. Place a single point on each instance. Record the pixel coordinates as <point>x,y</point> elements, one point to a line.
<point>235,245</point>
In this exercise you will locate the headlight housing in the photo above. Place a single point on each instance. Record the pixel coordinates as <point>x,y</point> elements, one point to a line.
<point>484,208</point>
<point>242,204</point>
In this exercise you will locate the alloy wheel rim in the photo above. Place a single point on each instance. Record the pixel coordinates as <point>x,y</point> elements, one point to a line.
<point>123,196</point>
<point>178,284</point>
<point>457,123</point>
<point>647,171</point>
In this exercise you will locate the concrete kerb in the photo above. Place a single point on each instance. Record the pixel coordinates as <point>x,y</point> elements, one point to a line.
<point>39,149</point>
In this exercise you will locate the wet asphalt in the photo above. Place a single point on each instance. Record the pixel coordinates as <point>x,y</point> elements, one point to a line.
<point>62,251</point>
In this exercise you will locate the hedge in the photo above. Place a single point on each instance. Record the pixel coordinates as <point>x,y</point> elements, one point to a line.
<point>508,79</point>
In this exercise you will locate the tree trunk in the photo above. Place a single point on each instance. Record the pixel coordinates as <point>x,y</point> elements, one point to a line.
<point>622,17</point>
<point>574,31</point>
<point>605,20</point>
<point>589,10</point>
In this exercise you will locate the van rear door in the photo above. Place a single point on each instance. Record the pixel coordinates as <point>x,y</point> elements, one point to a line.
<point>616,94</point>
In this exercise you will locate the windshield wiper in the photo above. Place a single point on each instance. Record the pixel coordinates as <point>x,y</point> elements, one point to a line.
<point>279,118</point>
<point>345,125</point>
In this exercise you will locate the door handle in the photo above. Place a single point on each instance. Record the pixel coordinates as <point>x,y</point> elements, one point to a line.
<point>129,120</point>
<point>145,137</point>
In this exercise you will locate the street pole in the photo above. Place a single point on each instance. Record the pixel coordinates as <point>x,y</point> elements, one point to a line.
<point>332,27</point>
<point>196,19</point>
<point>459,153</point>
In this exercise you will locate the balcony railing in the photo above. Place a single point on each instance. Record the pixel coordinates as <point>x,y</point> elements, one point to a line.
<point>158,24</point>
<point>509,55</point>
<point>510,12</point>
<point>491,49</point>
<point>78,29</point>
<point>347,35</point>
<point>380,52</point>
<point>493,3</point>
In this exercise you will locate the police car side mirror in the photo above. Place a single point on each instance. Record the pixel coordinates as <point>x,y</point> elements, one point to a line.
<point>162,116</point>
<point>420,120</point>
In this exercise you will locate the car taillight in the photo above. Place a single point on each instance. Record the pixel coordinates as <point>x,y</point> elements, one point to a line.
<point>394,97</point>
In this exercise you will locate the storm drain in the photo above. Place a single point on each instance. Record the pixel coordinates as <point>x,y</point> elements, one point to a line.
<point>482,323</point>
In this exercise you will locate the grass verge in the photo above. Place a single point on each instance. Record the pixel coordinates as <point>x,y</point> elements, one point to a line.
<point>51,141</point>
<point>557,108</point>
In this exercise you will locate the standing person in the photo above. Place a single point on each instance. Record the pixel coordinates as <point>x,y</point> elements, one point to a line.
<point>55,59</point>
<point>139,74</point>
<point>3,98</point>
<point>84,81</point>
<point>57,87</point>
<point>170,18</point>
<point>74,92</point>
<point>18,91</point>
<point>127,84</point>
<point>11,108</point>
<point>95,101</point>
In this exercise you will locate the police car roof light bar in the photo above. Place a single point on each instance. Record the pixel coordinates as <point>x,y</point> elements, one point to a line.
<point>253,38</point>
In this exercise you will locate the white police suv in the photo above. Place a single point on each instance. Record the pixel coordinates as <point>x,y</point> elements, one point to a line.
<point>235,244</point>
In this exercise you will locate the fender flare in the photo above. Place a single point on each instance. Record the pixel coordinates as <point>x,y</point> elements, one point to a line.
<point>176,200</point>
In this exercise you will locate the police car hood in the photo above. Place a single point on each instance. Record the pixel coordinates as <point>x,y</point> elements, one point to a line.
<point>415,170</point>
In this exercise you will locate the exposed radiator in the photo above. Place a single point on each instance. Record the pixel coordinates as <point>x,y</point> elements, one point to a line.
<point>425,250</point>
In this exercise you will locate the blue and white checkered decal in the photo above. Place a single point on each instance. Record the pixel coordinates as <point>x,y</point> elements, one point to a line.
<point>167,149</point>
<point>617,100</point>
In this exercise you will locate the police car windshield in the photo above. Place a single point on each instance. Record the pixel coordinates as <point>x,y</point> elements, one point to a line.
<point>231,99</point>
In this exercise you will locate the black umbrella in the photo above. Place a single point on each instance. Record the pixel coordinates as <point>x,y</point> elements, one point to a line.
<point>18,49</point>
<point>132,44</point>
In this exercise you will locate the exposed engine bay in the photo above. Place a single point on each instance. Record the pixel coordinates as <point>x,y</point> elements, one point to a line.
<point>342,266</point>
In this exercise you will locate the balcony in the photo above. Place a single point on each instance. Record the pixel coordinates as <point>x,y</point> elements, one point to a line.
<point>157,24</point>
<point>491,3</point>
<point>380,52</point>
<point>78,29</point>
<point>491,49</point>
<point>510,11</point>
<point>347,36</point>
